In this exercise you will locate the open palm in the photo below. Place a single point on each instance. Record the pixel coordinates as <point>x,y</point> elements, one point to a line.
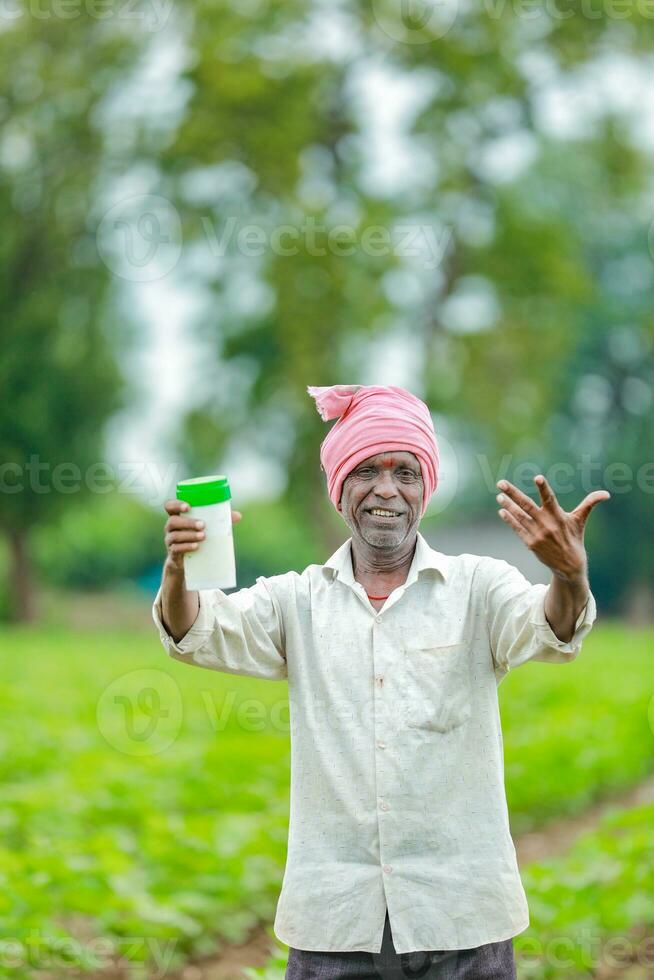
<point>555,536</point>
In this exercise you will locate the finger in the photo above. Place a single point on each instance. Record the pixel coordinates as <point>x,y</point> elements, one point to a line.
<point>236,516</point>
<point>547,495</point>
<point>183,523</point>
<point>175,537</point>
<point>526,503</point>
<point>175,506</point>
<point>512,522</point>
<point>514,509</point>
<point>583,509</point>
<point>183,547</point>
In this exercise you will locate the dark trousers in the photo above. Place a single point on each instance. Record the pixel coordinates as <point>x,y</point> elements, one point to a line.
<point>494,961</point>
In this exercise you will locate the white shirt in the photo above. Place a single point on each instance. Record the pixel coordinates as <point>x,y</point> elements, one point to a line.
<point>397,771</point>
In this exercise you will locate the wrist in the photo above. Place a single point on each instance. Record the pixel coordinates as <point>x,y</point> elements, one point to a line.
<point>173,573</point>
<point>576,579</point>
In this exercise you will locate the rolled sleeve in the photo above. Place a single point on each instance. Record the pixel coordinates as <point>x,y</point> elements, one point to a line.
<point>571,647</point>
<point>517,625</point>
<point>198,633</point>
<point>240,633</point>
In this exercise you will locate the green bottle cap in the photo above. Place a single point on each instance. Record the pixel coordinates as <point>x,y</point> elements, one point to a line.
<point>204,490</point>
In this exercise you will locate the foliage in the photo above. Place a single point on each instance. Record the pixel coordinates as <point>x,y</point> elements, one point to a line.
<point>59,373</point>
<point>527,294</point>
<point>59,378</point>
<point>593,902</point>
<point>105,539</point>
<point>530,331</point>
<point>577,732</point>
<point>168,849</point>
<point>158,854</point>
<point>111,538</point>
<point>272,538</point>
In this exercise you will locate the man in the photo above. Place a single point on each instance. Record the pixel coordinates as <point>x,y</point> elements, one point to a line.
<point>399,843</point>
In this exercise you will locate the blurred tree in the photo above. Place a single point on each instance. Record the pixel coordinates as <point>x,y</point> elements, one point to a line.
<point>103,541</point>
<point>540,332</point>
<point>276,135</point>
<point>58,373</point>
<point>265,175</point>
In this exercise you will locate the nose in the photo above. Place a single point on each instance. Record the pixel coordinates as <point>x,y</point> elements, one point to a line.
<point>385,485</point>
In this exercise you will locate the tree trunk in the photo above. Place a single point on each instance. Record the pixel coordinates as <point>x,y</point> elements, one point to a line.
<point>22,608</point>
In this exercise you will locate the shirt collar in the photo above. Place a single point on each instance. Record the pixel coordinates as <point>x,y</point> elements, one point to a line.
<point>424,557</point>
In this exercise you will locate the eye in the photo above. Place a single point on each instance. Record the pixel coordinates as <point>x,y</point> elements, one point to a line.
<point>365,472</point>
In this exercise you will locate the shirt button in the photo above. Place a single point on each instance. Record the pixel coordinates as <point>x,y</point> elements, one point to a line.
<point>387,869</point>
<point>384,806</point>
<point>377,619</point>
<point>380,744</point>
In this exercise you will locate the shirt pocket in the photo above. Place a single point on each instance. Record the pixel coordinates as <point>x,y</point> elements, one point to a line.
<point>436,686</point>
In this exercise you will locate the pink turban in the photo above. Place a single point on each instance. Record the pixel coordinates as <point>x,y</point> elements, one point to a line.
<point>374,419</point>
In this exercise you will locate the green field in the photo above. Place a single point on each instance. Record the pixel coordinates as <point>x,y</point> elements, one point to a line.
<point>145,801</point>
<point>594,903</point>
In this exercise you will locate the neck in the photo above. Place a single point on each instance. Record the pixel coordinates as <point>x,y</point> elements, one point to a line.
<point>382,570</point>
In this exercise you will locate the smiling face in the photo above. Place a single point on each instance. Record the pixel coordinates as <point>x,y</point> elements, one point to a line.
<point>381,501</point>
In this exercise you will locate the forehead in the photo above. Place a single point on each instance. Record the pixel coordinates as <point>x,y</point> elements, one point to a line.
<point>392,458</point>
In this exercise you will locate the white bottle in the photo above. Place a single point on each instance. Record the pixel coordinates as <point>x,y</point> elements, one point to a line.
<point>212,564</point>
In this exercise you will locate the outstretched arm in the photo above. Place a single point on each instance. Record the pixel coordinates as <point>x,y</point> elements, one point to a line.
<point>556,537</point>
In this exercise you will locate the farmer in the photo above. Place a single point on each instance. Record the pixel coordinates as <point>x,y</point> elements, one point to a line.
<point>400,858</point>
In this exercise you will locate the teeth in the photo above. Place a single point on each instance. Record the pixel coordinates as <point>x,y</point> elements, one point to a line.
<point>383,513</point>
